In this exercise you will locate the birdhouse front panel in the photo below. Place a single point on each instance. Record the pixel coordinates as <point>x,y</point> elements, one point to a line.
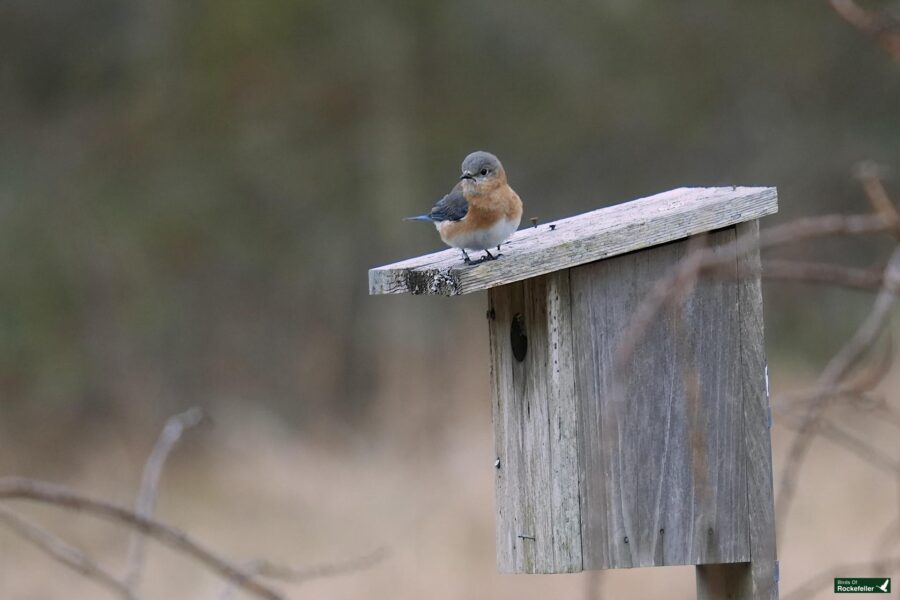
<point>535,426</point>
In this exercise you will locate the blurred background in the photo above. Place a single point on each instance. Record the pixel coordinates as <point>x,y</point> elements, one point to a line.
<point>191,194</point>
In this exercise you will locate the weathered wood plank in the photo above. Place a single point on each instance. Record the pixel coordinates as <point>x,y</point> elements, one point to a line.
<point>662,458</point>
<point>565,501</point>
<point>757,432</point>
<point>581,239</point>
<point>538,527</point>
<point>757,580</point>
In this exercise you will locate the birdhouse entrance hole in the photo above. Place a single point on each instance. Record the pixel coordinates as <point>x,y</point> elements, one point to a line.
<point>518,339</point>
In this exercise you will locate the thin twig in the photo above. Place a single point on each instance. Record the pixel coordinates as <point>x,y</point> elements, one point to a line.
<point>861,401</point>
<point>706,259</point>
<point>64,553</point>
<point>309,573</point>
<point>264,568</point>
<point>811,228</point>
<point>146,499</point>
<point>879,26</point>
<point>831,377</point>
<point>788,402</point>
<point>48,493</point>
<point>866,379</point>
<point>820,273</point>
<point>870,175</point>
<point>855,390</point>
<point>861,448</point>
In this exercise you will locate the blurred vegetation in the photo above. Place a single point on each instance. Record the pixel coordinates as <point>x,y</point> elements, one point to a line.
<point>191,192</point>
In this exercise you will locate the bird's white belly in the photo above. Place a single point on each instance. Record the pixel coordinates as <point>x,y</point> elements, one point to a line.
<point>485,239</point>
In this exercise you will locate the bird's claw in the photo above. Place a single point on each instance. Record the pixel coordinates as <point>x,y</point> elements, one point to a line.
<point>487,257</point>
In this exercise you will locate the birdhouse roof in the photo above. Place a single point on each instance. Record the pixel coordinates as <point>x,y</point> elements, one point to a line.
<point>584,238</point>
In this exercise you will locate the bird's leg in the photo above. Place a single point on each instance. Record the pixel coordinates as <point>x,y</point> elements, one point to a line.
<point>466,258</point>
<point>488,255</point>
<point>498,251</point>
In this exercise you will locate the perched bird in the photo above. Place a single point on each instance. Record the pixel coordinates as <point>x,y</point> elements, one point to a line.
<point>481,211</point>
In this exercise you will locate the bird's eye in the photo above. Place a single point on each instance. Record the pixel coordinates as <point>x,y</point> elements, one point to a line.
<point>484,171</point>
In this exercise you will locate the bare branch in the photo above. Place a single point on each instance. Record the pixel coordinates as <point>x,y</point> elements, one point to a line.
<point>707,259</point>
<point>861,448</point>
<point>821,273</point>
<point>271,570</point>
<point>831,378</point>
<point>64,553</point>
<point>790,401</point>
<point>870,175</point>
<point>48,493</point>
<point>855,390</point>
<point>866,379</point>
<point>884,29</point>
<point>869,331</point>
<point>304,574</point>
<point>146,500</point>
<point>862,401</point>
<point>811,228</point>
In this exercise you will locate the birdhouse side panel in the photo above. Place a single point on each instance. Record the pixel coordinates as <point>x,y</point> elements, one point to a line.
<point>663,478</point>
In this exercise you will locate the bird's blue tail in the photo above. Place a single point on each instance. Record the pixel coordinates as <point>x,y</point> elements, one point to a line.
<point>419,218</point>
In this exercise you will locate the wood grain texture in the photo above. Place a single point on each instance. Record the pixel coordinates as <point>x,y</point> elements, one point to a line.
<point>757,428</point>
<point>538,527</point>
<point>662,459</point>
<point>581,239</point>
<point>757,580</point>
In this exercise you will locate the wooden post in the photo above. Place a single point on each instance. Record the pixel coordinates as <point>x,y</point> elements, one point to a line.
<point>661,459</point>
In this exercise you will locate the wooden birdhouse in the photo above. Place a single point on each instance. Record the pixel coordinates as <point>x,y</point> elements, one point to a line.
<point>624,439</point>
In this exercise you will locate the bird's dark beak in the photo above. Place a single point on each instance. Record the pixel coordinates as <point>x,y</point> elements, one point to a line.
<point>466,175</point>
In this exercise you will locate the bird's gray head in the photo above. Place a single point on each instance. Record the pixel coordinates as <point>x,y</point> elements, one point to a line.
<point>482,167</point>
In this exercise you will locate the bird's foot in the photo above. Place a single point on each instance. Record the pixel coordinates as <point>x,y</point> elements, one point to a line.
<point>489,256</point>
<point>466,258</point>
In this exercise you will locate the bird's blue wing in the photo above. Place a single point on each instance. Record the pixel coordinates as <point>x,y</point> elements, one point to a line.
<point>451,207</point>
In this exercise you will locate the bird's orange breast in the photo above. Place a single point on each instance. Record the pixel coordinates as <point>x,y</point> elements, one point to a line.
<point>486,209</point>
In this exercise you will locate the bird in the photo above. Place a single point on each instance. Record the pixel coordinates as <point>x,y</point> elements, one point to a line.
<point>480,212</point>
